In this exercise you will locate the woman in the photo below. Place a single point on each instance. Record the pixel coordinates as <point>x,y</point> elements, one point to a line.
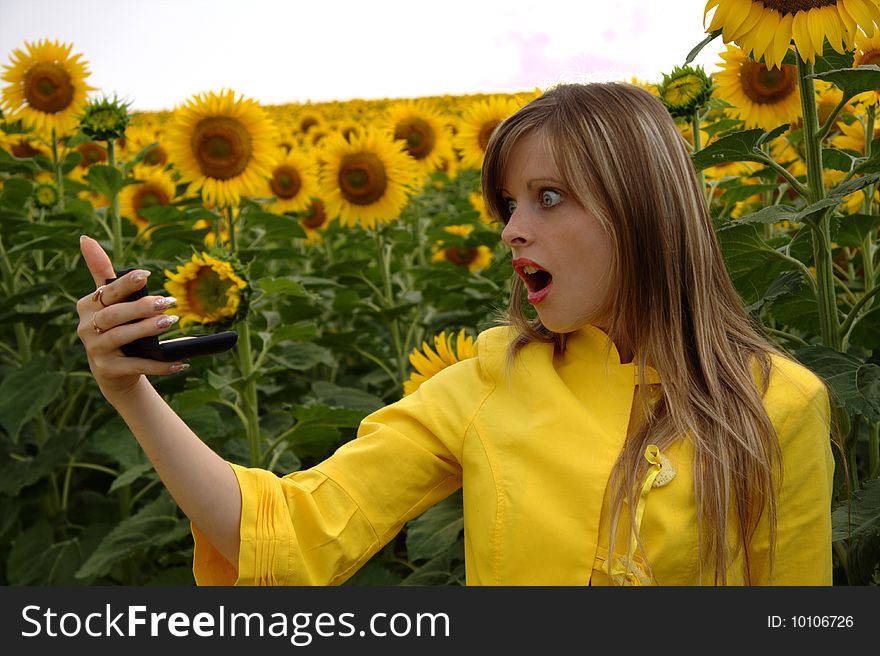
<point>638,431</point>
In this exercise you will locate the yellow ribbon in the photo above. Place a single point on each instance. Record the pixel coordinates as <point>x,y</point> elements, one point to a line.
<point>620,569</point>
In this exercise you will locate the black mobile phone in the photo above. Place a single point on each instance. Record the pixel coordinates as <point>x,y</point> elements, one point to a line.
<point>180,348</point>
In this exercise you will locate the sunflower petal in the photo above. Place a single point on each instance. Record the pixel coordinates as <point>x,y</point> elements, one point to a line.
<point>859,11</point>
<point>764,34</point>
<point>801,34</point>
<point>781,41</point>
<point>739,11</point>
<point>833,28</point>
<point>756,13</point>
<point>815,30</point>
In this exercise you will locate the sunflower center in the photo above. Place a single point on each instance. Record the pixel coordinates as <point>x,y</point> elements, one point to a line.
<point>307,123</point>
<point>794,6</point>
<point>222,147</point>
<point>207,292</point>
<point>47,87</point>
<point>91,153</point>
<point>460,255</point>
<point>486,132</point>
<point>156,157</point>
<point>23,148</point>
<point>316,216</point>
<point>285,182</point>
<point>419,137</point>
<point>149,196</point>
<point>362,178</point>
<point>767,87</point>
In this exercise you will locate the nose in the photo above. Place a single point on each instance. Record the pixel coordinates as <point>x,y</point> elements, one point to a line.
<point>517,231</point>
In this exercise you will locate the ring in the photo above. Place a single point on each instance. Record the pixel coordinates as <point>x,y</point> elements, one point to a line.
<point>97,295</point>
<point>95,325</point>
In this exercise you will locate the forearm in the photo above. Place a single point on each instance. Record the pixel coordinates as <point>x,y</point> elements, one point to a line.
<point>201,482</point>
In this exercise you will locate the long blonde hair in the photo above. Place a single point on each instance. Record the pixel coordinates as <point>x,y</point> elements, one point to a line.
<point>620,154</point>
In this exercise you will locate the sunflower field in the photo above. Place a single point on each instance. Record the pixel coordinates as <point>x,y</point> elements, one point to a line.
<point>348,246</point>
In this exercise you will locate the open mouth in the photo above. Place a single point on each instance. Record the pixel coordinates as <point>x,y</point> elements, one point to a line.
<point>538,281</point>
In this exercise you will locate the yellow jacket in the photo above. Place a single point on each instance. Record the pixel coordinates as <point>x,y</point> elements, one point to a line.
<point>534,457</point>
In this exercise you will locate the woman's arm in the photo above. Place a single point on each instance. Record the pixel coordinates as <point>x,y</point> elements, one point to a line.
<point>201,482</point>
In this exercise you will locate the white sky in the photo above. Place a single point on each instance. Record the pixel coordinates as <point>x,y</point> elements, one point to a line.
<point>157,53</point>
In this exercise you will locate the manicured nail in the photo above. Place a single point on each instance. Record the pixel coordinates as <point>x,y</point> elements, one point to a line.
<point>166,320</point>
<point>178,367</point>
<point>140,276</point>
<point>164,303</point>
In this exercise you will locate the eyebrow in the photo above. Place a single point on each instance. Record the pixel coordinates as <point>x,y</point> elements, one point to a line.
<point>536,182</point>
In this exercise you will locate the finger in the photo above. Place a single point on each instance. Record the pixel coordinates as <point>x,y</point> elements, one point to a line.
<point>96,259</point>
<point>129,365</point>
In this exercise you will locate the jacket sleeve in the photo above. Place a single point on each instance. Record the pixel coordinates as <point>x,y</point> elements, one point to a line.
<point>318,526</point>
<point>803,538</point>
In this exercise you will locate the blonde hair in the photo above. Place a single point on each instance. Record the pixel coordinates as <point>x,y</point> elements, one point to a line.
<point>620,154</point>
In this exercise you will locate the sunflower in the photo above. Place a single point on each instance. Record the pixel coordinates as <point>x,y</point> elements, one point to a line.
<point>294,181</point>
<point>367,180</point>
<point>761,97</point>
<point>477,125</point>
<point>474,258</point>
<point>685,91</point>
<point>427,362</point>
<point>867,52</point>
<point>156,189</point>
<point>314,220</point>
<point>224,145</point>
<point>47,87</point>
<point>208,290</point>
<point>852,136</point>
<point>765,28</point>
<point>138,138</point>
<point>422,132</point>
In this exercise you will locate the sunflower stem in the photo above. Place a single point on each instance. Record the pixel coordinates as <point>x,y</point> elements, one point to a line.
<point>231,219</point>
<point>115,219</point>
<point>821,229</point>
<point>59,175</point>
<point>868,241</point>
<point>251,409</point>
<point>385,270</point>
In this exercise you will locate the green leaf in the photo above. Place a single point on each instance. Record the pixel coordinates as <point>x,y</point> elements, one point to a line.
<point>770,214</point>
<point>15,193</point>
<point>855,383</point>
<point>436,530</point>
<point>15,475</point>
<point>702,44</point>
<point>853,81</point>
<point>865,514</point>
<point>742,192</point>
<point>837,160</point>
<point>856,184</point>
<point>11,164</point>
<point>810,212</point>
<point>70,162</point>
<point>140,155</point>
<point>313,440</point>
<point>114,440</point>
<point>866,332</point>
<point>156,524</point>
<point>291,333</point>
<point>855,228</point>
<point>735,147</point>
<point>129,476</point>
<point>325,415</point>
<point>107,180</point>
<point>284,286</point>
<point>159,214</point>
<point>750,261</point>
<point>346,397</point>
<point>25,392</point>
<point>36,559</point>
<point>301,356</point>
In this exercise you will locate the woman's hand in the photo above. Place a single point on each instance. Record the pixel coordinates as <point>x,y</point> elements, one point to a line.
<point>104,328</point>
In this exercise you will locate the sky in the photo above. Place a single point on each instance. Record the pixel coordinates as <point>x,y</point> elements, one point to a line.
<point>158,53</point>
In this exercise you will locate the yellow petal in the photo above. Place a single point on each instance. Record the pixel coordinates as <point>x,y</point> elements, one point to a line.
<point>859,11</point>
<point>781,41</point>
<point>719,17</point>
<point>739,11</point>
<point>816,31</point>
<point>833,28</point>
<point>801,34</point>
<point>756,13</point>
<point>764,33</point>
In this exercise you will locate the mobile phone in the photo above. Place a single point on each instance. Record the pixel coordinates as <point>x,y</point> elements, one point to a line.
<point>180,348</point>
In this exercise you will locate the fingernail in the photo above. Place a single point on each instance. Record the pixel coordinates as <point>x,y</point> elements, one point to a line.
<point>81,237</point>
<point>163,303</point>
<point>178,367</point>
<point>166,320</point>
<point>140,276</point>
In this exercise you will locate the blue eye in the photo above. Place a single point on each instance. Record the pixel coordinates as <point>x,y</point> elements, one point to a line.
<point>550,198</point>
<point>511,205</point>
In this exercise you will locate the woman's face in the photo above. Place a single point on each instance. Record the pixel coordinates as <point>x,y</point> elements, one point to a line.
<point>549,230</point>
